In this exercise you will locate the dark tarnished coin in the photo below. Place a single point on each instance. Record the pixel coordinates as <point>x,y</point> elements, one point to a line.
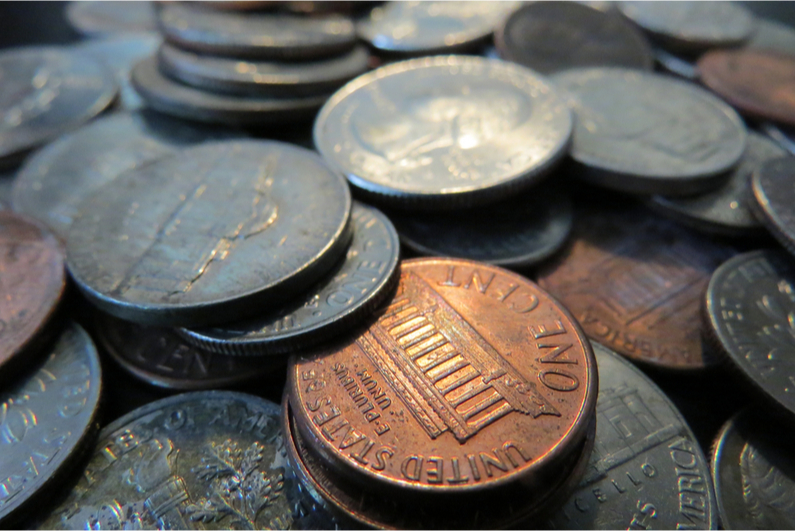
<point>635,282</point>
<point>553,36</point>
<point>204,460</point>
<point>348,294</point>
<point>758,83</point>
<point>53,181</point>
<point>174,98</point>
<point>674,64</point>
<point>647,470</point>
<point>724,211</point>
<point>774,36</point>
<point>102,18</point>
<point>750,309</point>
<point>264,36</point>
<point>645,133</point>
<point>47,92</point>
<point>46,418</point>
<point>211,235</point>
<point>515,233</point>
<point>444,131</point>
<point>774,196</point>
<point>278,79</point>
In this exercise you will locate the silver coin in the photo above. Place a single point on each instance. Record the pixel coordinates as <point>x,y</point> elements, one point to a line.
<point>278,79</point>
<point>444,131</point>
<point>774,36</point>
<point>645,133</point>
<point>47,92</point>
<point>100,18</point>
<point>211,235</point>
<point>52,182</point>
<point>782,136</point>
<point>774,199</point>
<point>46,418</point>
<point>674,64</point>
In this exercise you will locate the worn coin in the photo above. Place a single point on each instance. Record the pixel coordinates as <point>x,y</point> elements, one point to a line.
<point>251,35</point>
<point>444,131</point>
<point>773,36</point>
<point>724,211</point>
<point>48,416</point>
<point>553,36</point>
<point>211,235</point>
<point>53,181</point>
<point>674,64</point>
<point>645,133</point>
<point>103,18</point>
<point>348,294</point>
<point>174,98</point>
<point>515,233</point>
<point>46,92</point>
<point>774,199</point>
<point>279,79</point>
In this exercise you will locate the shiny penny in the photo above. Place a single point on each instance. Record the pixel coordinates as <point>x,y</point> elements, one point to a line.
<point>774,199</point>
<point>103,18</point>
<point>468,379</point>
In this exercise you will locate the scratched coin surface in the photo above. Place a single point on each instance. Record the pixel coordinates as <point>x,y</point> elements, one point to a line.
<point>647,470</point>
<point>52,182</point>
<point>553,36</point>
<point>203,460</point>
<point>48,415</point>
<point>468,379</point>
<point>774,199</point>
<point>646,133</point>
<point>635,282</point>
<point>447,130</point>
<point>346,295</point>
<point>48,91</point>
<point>211,235</point>
<point>94,19</point>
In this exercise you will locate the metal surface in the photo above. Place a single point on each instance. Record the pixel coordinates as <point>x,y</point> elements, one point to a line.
<point>680,66</point>
<point>772,35</point>
<point>101,18</point>
<point>774,196</point>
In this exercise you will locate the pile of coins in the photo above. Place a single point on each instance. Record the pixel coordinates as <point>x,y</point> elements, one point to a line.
<point>307,265</point>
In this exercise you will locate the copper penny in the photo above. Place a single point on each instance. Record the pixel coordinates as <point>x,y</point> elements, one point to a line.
<point>635,282</point>
<point>758,83</point>
<point>470,378</point>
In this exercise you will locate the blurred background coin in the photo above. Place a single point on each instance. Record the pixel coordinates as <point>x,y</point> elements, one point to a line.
<point>102,18</point>
<point>774,203</point>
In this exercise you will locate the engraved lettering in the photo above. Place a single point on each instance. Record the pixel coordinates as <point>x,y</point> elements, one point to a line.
<point>559,380</point>
<point>411,468</point>
<point>457,477</point>
<point>380,460</point>
<point>434,470</point>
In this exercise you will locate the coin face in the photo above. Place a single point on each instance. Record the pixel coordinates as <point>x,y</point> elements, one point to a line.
<point>449,131</point>
<point>93,19</point>
<point>553,36</point>
<point>47,416</point>
<point>47,92</point>
<point>468,379</point>
<point>646,133</point>
<point>210,235</point>
<point>773,193</point>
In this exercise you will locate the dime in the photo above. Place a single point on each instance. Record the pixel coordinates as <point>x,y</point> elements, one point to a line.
<point>48,415</point>
<point>263,36</point>
<point>772,35</point>
<point>462,349</point>
<point>278,79</point>
<point>348,294</point>
<point>47,92</point>
<point>173,98</point>
<point>424,28</point>
<point>515,233</point>
<point>210,235</point>
<point>774,199</point>
<point>111,18</point>
<point>758,83</point>
<point>724,211</point>
<point>676,65</point>
<point>444,131</point>
<point>553,36</point>
<point>645,133</point>
<point>647,470</point>
<point>53,181</point>
<point>749,302</point>
<point>635,282</point>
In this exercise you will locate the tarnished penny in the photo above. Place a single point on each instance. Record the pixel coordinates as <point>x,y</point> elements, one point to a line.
<point>102,18</point>
<point>635,282</point>
<point>468,379</point>
<point>758,83</point>
<point>774,199</point>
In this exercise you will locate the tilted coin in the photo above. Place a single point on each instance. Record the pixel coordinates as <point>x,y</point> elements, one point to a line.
<point>423,28</point>
<point>211,235</point>
<point>645,133</point>
<point>775,199</point>
<point>553,36</point>
<point>279,79</point>
<point>103,18</point>
<point>48,416</point>
<point>724,211</point>
<point>176,99</point>
<point>674,64</point>
<point>264,36</point>
<point>53,181</point>
<point>772,35</point>
<point>444,131</point>
<point>783,136</point>
<point>48,91</point>
<point>348,294</point>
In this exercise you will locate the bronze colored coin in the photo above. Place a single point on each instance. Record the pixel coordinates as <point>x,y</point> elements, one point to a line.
<point>635,282</point>
<point>758,83</point>
<point>468,379</point>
